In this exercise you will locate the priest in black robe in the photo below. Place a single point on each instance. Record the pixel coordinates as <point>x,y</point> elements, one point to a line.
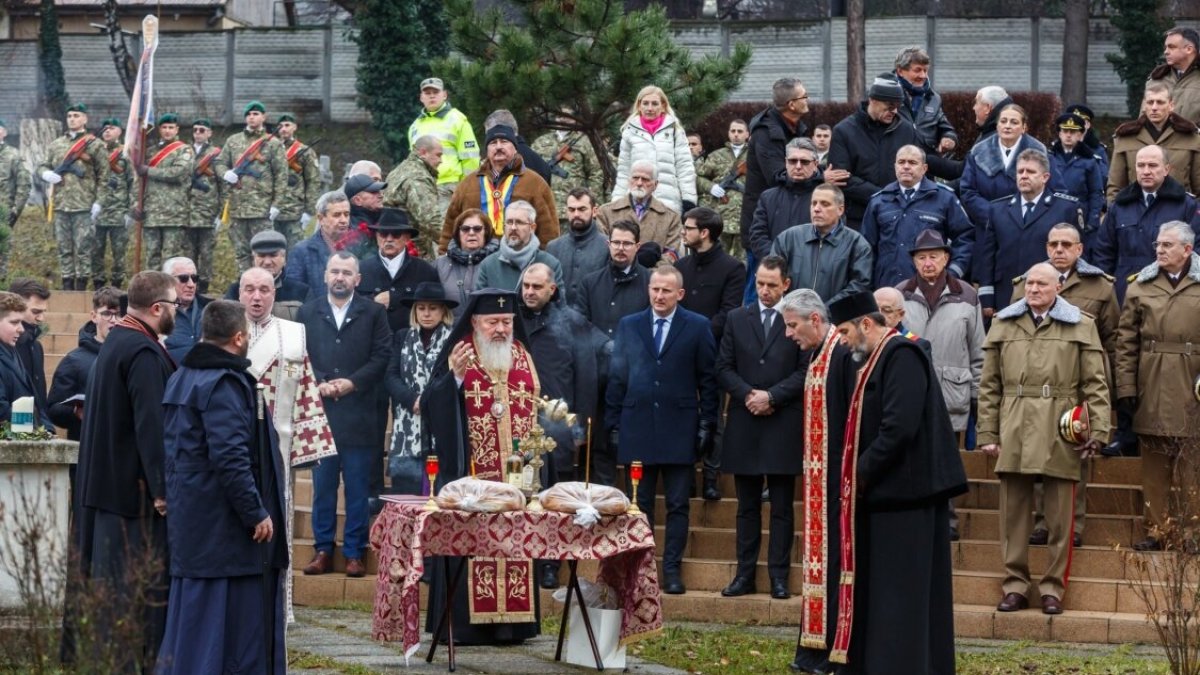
<point>829,383</point>
<point>451,430</point>
<point>120,499</point>
<point>899,468</point>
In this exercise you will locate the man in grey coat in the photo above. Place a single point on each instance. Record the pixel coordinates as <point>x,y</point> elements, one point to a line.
<point>824,254</point>
<point>518,249</point>
<point>583,248</point>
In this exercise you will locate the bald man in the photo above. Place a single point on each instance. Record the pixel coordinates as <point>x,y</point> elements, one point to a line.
<point>1054,348</point>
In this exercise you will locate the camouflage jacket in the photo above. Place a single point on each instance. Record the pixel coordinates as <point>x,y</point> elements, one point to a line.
<point>77,192</point>
<point>412,186</point>
<point>715,169</point>
<point>253,196</point>
<point>167,186</point>
<point>206,196</point>
<point>578,162</point>
<point>117,196</point>
<point>303,182</point>
<point>14,182</point>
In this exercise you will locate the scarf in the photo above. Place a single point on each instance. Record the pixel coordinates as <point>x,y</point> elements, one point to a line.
<point>841,640</point>
<point>653,125</point>
<point>932,291</point>
<point>519,259</point>
<point>916,94</point>
<point>135,324</point>
<point>461,256</point>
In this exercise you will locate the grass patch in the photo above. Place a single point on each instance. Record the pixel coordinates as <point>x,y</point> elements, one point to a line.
<point>301,660</point>
<point>743,651</point>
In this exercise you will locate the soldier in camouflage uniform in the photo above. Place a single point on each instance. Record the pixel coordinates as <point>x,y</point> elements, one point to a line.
<point>168,176</point>
<point>412,186</point>
<point>299,200</point>
<point>76,167</point>
<point>573,164</point>
<point>204,203</point>
<point>720,182</point>
<point>14,192</point>
<point>254,165</point>
<point>116,201</point>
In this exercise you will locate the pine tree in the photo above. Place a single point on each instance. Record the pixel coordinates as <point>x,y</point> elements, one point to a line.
<point>1140,36</point>
<point>397,40</point>
<point>577,65</point>
<point>54,82</point>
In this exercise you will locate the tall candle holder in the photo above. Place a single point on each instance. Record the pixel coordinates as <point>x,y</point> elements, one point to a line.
<point>635,477</point>
<point>431,470</point>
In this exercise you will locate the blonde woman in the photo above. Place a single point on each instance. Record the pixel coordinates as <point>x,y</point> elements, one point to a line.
<point>653,133</point>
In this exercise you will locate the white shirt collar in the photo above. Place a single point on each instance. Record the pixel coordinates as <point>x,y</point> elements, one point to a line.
<point>339,314</point>
<point>393,265</point>
<point>670,317</point>
<point>1036,200</point>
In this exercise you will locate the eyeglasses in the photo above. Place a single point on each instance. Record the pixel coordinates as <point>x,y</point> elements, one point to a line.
<point>800,160</point>
<point>514,221</point>
<point>184,278</point>
<point>623,244</point>
<point>1166,245</point>
<point>798,98</point>
<point>109,315</point>
<point>690,227</point>
<point>174,303</point>
<point>471,229</point>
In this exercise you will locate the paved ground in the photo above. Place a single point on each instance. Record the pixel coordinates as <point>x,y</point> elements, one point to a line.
<point>338,641</point>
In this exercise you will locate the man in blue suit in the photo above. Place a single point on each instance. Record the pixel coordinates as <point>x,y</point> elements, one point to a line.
<point>662,404</point>
<point>1018,226</point>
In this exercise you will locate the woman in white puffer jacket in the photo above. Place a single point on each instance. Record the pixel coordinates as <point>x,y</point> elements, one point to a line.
<point>653,133</point>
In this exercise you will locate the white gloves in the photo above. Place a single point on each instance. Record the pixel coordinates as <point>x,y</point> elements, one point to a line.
<point>128,220</point>
<point>217,222</point>
<point>273,214</point>
<point>717,191</point>
<point>95,210</point>
<point>51,177</point>
<point>304,218</point>
<point>231,177</point>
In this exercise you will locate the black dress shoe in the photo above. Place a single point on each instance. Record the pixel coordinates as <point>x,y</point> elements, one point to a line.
<point>1051,605</point>
<point>710,492</point>
<point>797,668</point>
<point>549,577</point>
<point>1148,544</point>
<point>1039,537</point>
<point>1077,540</point>
<point>954,536</point>
<point>673,585</point>
<point>739,586</point>
<point>779,589</point>
<point>1012,603</point>
<point>1119,449</point>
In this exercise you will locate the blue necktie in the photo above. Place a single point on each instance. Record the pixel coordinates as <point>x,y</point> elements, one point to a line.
<point>658,335</point>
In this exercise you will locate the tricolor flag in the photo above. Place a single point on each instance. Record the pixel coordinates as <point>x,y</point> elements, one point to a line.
<point>141,107</point>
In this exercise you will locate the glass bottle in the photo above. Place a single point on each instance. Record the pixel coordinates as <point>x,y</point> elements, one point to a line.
<point>514,466</point>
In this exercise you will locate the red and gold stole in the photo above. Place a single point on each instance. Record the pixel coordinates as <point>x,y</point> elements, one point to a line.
<point>499,410</point>
<point>493,199</point>
<point>841,639</point>
<point>164,153</point>
<point>816,499</point>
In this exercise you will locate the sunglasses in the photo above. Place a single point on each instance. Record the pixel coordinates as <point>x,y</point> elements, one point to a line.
<point>184,278</point>
<point>471,229</point>
<point>800,160</point>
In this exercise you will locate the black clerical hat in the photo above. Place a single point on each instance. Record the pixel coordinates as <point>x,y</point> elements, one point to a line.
<point>851,307</point>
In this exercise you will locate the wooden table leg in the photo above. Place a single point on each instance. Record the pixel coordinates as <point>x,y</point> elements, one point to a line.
<point>446,623</point>
<point>573,587</point>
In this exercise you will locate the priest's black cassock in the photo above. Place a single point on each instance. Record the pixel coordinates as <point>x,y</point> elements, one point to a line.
<point>444,433</point>
<point>907,468</point>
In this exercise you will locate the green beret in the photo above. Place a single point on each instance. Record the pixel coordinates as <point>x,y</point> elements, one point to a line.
<point>3,124</point>
<point>203,122</point>
<point>112,122</point>
<point>254,106</point>
<point>79,108</point>
<point>286,117</point>
<point>168,118</point>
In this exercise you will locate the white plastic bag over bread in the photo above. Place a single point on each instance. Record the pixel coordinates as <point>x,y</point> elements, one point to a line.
<point>587,501</point>
<point>481,496</point>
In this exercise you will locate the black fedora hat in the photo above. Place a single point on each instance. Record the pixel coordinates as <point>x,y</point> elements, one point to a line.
<point>393,220</point>
<point>429,291</point>
<point>929,240</point>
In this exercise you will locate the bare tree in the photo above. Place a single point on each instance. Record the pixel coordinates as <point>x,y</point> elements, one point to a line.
<point>1075,51</point>
<point>122,59</point>
<point>856,50</point>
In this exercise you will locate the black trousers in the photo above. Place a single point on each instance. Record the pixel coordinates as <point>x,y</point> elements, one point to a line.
<point>677,483</point>
<point>749,523</point>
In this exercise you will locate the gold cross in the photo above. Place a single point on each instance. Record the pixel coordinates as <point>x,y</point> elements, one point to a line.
<point>476,393</point>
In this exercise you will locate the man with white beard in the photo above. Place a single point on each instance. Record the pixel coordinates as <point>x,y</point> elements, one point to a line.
<point>279,362</point>
<point>482,398</point>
